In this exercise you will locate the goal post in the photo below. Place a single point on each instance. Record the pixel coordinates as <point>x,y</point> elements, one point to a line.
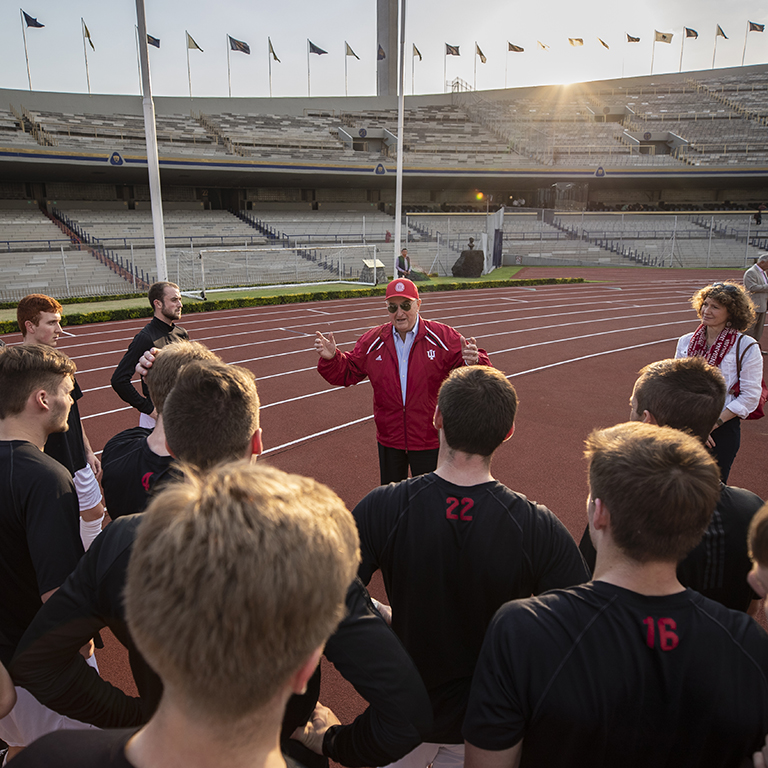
<point>213,269</point>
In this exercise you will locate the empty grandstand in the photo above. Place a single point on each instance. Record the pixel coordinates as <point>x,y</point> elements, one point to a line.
<point>664,170</point>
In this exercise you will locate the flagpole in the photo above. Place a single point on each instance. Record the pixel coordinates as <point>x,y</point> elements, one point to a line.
<point>653,51</point>
<point>506,65</point>
<point>474,78</point>
<point>189,71</point>
<point>400,142</point>
<point>85,53</point>
<point>682,46</point>
<point>413,75</point>
<point>346,81</point>
<point>269,59</point>
<point>309,85</point>
<point>26,54</point>
<point>229,71</point>
<point>153,163</point>
<point>445,67</point>
<point>714,51</point>
<point>138,59</point>
<point>744,52</point>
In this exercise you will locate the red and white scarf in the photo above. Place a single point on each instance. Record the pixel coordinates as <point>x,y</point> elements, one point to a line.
<point>697,347</point>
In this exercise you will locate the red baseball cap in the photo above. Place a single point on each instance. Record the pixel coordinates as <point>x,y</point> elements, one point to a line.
<point>402,288</point>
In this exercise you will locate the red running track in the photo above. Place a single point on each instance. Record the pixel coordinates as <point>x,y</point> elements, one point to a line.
<point>572,352</point>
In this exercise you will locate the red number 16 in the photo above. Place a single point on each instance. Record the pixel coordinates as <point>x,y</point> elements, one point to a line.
<point>668,639</point>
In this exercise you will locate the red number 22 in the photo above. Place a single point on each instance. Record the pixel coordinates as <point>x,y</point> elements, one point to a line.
<point>453,503</point>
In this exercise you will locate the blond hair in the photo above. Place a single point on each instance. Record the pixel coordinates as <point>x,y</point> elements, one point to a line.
<point>236,577</point>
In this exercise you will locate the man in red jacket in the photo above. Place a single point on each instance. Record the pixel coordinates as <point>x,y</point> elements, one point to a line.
<point>406,361</point>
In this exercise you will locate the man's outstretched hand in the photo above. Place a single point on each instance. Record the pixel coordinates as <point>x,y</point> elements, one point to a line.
<point>325,345</point>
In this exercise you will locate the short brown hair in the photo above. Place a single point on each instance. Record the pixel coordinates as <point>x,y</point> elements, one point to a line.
<point>478,405</point>
<point>31,307</point>
<point>659,485</point>
<point>236,577</point>
<point>732,296</point>
<point>758,537</point>
<point>211,413</point>
<point>27,368</point>
<point>686,393</point>
<point>157,291</point>
<point>169,360</point>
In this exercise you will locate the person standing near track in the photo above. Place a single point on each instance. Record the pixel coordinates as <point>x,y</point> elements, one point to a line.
<point>756,283</point>
<point>165,300</point>
<point>406,361</point>
<point>726,312</point>
<point>631,669</point>
<point>39,320</point>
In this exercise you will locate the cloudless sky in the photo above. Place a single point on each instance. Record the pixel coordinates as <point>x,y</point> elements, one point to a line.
<point>57,64</point>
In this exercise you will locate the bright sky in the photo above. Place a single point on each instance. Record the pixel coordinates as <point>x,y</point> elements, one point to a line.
<point>57,64</point>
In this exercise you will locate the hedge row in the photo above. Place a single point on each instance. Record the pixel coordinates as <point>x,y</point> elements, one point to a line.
<point>82,318</point>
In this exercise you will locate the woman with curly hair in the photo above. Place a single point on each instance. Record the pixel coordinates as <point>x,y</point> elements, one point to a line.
<point>725,311</point>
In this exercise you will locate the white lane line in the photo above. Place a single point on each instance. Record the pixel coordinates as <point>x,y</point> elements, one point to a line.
<point>316,434</point>
<point>587,357</point>
<point>106,413</point>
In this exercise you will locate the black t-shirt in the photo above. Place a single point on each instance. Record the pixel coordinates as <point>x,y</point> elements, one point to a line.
<point>719,564</point>
<point>130,470</point>
<point>155,333</point>
<point>598,675</point>
<point>449,557</point>
<point>68,448</point>
<point>85,749</point>
<point>48,663</point>
<point>39,535</point>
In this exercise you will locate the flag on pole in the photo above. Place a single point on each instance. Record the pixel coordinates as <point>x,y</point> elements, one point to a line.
<point>753,27</point>
<point>314,49</point>
<point>720,32</point>
<point>543,46</point>
<point>416,52</point>
<point>663,37</point>
<point>479,53</point>
<point>30,21</point>
<point>349,51</point>
<point>192,44</point>
<point>604,44</point>
<point>153,40</point>
<point>272,51</point>
<point>631,39</point>
<point>380,55</point>
<point>239,45</point>
<point>691,33</point>
<point>576,41</point>
<point>87,36</point>
<point>452,50</point>
<point>514,48</point>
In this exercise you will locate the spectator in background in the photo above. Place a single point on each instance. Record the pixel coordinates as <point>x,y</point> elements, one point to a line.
<point>165,300</point>
<point>756,284</point>
<point>39,320</point>
<point>403,264</point>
